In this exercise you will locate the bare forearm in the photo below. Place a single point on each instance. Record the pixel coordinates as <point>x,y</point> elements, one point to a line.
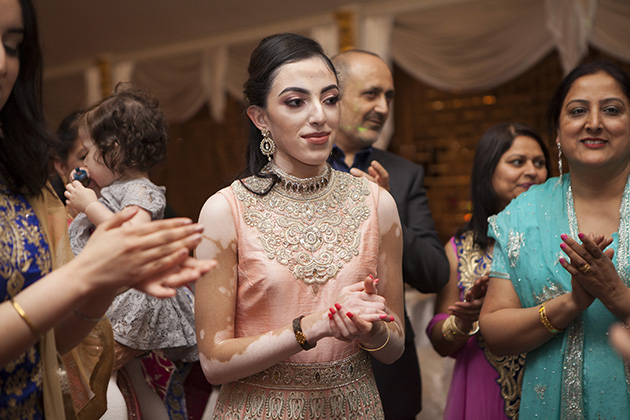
<point>618,303</point>
<point>236,358</point>
<point>98,213</point>
<point>520,330</point>
<point>76,325</point>
<point>45,303</point>
<point>388,339</point>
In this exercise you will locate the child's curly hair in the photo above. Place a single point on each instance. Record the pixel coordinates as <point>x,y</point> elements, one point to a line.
<point>129,129</point>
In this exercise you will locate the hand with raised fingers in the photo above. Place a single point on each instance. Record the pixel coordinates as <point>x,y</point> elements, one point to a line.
<point>165,283</point>
<point>119,254</point>
<point>468,311</point>
<point>375,173</point>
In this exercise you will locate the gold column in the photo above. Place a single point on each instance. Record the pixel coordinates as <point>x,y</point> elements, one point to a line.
<point>104,64</point>
<point>346,22</point>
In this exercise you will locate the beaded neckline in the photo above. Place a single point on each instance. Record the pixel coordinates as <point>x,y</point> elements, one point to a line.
<point>300,186</point>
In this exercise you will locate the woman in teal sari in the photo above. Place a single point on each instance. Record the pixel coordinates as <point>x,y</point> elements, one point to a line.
<point>561,265</point>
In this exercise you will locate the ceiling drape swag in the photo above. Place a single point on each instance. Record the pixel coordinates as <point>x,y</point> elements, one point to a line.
<point>451,45</point>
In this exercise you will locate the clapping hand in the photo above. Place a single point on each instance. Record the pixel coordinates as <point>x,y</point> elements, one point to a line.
<point>468,310</point>
<point>358,307</point>
<point>153,257</point>
<point>376,173</point>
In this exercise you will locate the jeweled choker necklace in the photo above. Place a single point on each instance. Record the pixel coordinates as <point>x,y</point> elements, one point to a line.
<point>297,185</point>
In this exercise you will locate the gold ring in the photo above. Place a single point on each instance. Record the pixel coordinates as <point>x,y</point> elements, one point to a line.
<point>585,268</point>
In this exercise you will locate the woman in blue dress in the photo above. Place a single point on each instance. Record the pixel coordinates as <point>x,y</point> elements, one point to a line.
<point>43,312</point>
<point>561,267</point>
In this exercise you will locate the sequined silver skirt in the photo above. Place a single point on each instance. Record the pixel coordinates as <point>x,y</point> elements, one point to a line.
<point>344,389</point>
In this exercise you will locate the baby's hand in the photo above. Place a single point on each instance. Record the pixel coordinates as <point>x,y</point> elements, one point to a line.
<point>81,174</point>
<point>78,196</point>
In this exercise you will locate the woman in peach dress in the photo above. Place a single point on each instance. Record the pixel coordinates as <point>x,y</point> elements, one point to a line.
<point>308,284</point>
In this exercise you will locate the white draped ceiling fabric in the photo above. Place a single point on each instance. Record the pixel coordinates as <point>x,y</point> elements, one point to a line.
<point>449,44</point>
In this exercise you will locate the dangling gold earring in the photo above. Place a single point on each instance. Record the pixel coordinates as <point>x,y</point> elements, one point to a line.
<point>559,163</point>
<point>267,145</point>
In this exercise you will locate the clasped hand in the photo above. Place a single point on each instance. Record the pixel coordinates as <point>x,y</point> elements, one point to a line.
<point>358,308</point>
<point>593,274</point>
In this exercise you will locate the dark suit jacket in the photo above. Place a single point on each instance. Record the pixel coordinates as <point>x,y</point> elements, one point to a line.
<point>425,267</point>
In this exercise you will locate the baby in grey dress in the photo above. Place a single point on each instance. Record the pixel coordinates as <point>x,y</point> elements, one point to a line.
<point>124,136</point>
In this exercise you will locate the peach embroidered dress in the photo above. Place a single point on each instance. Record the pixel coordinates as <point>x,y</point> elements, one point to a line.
<point>298,246</point>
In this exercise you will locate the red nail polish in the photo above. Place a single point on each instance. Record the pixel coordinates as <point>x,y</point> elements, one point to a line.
<point>391,319</point>
<point>563,245</point>
<point>332,311</point>
<point>581,235</point>
<point>371,276</point>
<point>563,237</point>
<point>349,315</point>
<point>338,306</point>
<point>330,315</point>
<point>383,316</point>
<point>377,280</point>
<point>562,261</point>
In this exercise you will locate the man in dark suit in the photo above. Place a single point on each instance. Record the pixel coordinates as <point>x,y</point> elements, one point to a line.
<point>367,90</point>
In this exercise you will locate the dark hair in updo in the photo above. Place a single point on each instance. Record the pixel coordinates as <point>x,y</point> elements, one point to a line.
<point>129,130</point>
<point>586,69</point>
<point>272,53</point>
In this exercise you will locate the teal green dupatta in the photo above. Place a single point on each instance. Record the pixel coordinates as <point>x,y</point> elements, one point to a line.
<point>576,375</point>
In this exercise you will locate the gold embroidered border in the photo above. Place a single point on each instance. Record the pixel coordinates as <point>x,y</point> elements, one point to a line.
<point>311,376</point>
<point>343,390</point>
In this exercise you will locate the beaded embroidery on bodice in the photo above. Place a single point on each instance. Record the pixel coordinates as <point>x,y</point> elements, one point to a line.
<point>313,234</point>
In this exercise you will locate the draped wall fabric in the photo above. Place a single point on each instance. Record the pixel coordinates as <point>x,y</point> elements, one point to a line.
<point>451,45</point>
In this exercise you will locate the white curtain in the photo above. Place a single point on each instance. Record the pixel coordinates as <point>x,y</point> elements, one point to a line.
<point>375,34</point>
<point>183,84</point>
<point>472,45</point>
<point>448,44</point>
<point>481,44</point>
<point>610,30</point>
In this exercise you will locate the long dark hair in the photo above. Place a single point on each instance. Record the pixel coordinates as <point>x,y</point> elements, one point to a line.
<point>485,202</point>
<point>586,69</point>
<point>272,53</point>
<point>25,145</point>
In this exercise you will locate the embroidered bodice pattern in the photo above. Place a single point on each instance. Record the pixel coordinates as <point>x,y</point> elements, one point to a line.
<point>311,234</point>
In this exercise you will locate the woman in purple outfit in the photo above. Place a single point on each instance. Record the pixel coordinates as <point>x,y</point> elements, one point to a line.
<point>510,158</point>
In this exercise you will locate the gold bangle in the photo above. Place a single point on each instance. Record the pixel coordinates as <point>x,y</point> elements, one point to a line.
<point>451,332</point>
<point>22,314</point>
<point>545,321</point>
<point>389,333</point>
<point>299,334</point>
